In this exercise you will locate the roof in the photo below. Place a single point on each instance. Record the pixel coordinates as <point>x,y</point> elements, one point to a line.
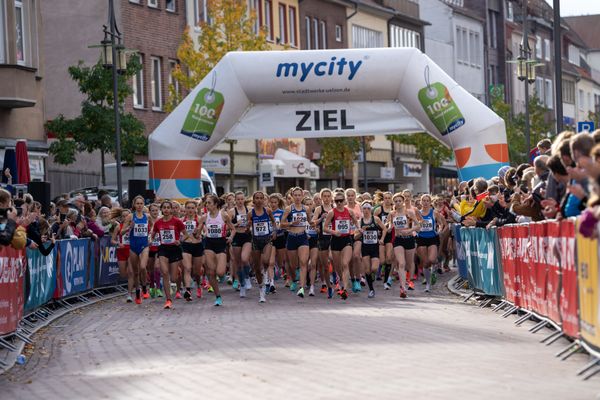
<point>587,28</point>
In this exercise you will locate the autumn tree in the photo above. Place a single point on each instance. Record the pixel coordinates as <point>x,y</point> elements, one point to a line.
<point>339,153</point>
<point>428,149</point>
<point>94,128</point>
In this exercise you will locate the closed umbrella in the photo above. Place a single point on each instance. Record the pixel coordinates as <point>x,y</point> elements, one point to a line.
<point>23,176</point>
<point>10,162</point>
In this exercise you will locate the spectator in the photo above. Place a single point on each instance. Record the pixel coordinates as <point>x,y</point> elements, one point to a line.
<point>68,228</point>
<point>10,232</point>
<point>541,175</point>
<point>103,220</point>
<point>90,221</point>
<point>544,147</point>
<point>106,201</point>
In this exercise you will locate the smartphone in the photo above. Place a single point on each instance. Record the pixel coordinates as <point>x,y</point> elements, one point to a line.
<point>19,211</point>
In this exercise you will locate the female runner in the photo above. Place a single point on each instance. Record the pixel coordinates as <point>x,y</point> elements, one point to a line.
<point>386,253</point>
<point>120,237</point>
<point>337,223</point>
<point>405,224</point>
<point>241,246</point>
<point>170,230</point>
<point>295,219</point>
<point>411,266</point>
<point>324,240</point>
<point>217,223</point>
<point>279,252</point>
<point>313,235</point>
<point>193,249</point>
<point>138,226</point>
<point>356,264</point>
<point>262,222</point>
<point>372,231</point>
<point>153,266</point>
<point>428,238</point>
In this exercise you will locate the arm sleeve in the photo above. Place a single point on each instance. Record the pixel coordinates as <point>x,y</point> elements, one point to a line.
<point>572,206</point>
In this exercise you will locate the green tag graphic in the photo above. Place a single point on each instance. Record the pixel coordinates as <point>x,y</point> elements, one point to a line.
<point>441,108</point>
<point>203,115</point>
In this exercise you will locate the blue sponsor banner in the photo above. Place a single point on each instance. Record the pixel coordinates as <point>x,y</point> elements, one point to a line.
<point>108,267</point>
<point>74,266</point>
<point>41,272</point>
<point>459,252</point>
<point>483,259</point>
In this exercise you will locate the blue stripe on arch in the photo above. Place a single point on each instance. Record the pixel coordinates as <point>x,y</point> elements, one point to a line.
<point>486,171</point>
<point>189,187</point>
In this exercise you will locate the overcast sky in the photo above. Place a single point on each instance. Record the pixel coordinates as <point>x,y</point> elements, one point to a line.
<point>578,7</point>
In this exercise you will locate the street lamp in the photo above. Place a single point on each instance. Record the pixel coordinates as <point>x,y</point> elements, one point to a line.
<point>114,58</point>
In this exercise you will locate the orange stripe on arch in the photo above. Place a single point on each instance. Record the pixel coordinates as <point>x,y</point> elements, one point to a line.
<point>175,169</point>
<point>498,152</point>
<point>462,156</point>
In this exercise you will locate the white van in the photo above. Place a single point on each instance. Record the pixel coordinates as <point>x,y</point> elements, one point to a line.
<point>139,170</point>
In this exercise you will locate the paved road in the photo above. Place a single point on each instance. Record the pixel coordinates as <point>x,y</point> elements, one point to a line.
<point>430,346</point>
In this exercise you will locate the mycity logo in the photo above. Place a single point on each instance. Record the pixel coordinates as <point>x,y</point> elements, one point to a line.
<point>322,68</point>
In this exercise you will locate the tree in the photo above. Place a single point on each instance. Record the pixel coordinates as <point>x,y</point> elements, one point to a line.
<point>94,128</point>
<point>539,125</point>
<point>339,153</point>
<point>428,149</point>
<point>230,28</point>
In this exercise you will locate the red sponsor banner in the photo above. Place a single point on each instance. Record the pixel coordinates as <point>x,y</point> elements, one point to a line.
<point>553,259</point>
<point>538,267</point>
<point>12,270</point>
<point>522,282</point>
<point>568,292</point>
<point>508,253</point>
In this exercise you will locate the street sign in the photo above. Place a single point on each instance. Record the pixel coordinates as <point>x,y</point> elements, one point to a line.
<point>586,126</point>
<point>266,176</point>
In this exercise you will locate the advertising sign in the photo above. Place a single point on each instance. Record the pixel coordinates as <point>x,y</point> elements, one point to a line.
<point>74,266</point>
<point>216,163</point>
<point>412,170</point>
<point>587,276</point>
<point>108,267</point>
<point>12,270</point>
<point>42,278</point>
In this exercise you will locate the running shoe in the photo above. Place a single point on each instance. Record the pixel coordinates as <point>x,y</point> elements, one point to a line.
<point>329,292</point>
<point>152,292</point>
<point>323,288</point>
<point>354,290</point>
<point>248,284</point>
<point>210,289</point>
<point>403,293</point>
<point>272,289</point>
<point>433,278</point>
<point>293,287</point>
<point>300,292</point>
<point>159,293</point>
<point>358,286</point>
<point>386,286</point>
<point>424,282</point>
<point>242,291</point>
<point>173,289</point>
<point>371,294</point>
<point>205,283</point>
<point>229,280</point>
<point>362,282</point>
<point>344,294</point>
<point>390,281</point>
<point>146,295</point>
<point>218,301</point>
<point>427,288</point>
<point>138,300</point>
<point>236,285</point>
<point>178,295</point>
<point>168,305</point>
<point>222,279</point>
<point>446,268</point>
<point>262,299</point>
<point>138,296</point>
<point>411,285</point>
<point>199,292</point>
<point>439,270</point>
<point>287,284</point>
<point>129,298</point>
<point>187,295</point>
<point>311,291</point>
<point>415,277</point>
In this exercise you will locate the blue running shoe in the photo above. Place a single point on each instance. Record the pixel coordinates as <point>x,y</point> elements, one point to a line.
<point>236,284</point>
<point>218,301</point>
<point>329,292</point>
<point>293,287</point>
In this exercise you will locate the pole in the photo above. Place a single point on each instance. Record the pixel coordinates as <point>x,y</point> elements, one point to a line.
<point>364,157</point>
<point>113,23</point>
<point>557,35</point>
<point>528,54</point>
<point>527,127</point>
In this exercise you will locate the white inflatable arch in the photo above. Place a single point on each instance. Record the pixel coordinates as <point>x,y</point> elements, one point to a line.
<point>320,93</point>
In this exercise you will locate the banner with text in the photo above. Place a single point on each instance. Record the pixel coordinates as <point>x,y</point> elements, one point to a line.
<point>42,278</point>
<point>108,267</point>
<point>587,273</point>
<point>12,271</point>
<point>75,266</point>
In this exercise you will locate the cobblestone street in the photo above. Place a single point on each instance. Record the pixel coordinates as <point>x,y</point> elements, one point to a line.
<point>430,346</point>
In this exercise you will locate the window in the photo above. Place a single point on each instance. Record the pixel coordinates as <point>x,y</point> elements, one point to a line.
<point>589,102</point>
<point>538,47</point>
<point>492,29</point>
<point>171,80</point>
<point>581,100</point>
<point>474,49</point>
<point>170,5</point>
<point>539,89</point>
<point>549,93</point>
<point>510,13</point>
<point>462,46</point>
<point>255,6</point>
<point>20,39</point>
<point>316,33</point>
<point>2,34</point>
<point>338,33</point>
<point>307,24</point>
<point>200,12</point>
<point>155,84</point>
<point>292,19</point>
<point>323,35</point>
<point>138,86</point>
<point>365,37</point>
<point>282,25</point>
<point>135,1</point>
<point>568,89</point>
<point>153,3</point>
<point>402,37</point>
<point>269,19</point>
<point>547,51</point>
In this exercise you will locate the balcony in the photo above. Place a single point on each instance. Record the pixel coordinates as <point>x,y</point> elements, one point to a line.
<point>18,88</point>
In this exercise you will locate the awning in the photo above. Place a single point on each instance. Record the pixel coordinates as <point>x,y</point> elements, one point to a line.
<point>286,164</point>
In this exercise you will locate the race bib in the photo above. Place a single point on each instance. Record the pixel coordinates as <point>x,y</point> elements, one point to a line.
<point>242,220</point>
<point>383,218</point>
<point>125,238</point>
<point>156,240</point>
<point>311,231</point>
<point>325,233</point>
<point>370,237</point>
<point>167,236</point>
<point>277,222</point>
<point>300,218</point>
<point>352,227</point>
<point>400,222</point>
<point>214,231</point>
<point>140,230</point>
<point>190,226</point>
<point>261,228</point>
<point>426,225</point>
<point>342,226</point>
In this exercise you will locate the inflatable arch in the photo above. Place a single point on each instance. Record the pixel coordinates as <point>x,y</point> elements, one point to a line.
<point>320,93</point>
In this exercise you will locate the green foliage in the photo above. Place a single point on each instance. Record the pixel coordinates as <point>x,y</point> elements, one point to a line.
<point>515,125</point>
<point>94,128</point>
<point>338,153</point>
<point>428,149</point>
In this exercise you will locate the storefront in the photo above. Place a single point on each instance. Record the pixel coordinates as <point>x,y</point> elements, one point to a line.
<point>287,170</point>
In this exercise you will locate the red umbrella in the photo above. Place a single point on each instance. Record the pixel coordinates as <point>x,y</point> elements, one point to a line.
<point>23,175</point>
